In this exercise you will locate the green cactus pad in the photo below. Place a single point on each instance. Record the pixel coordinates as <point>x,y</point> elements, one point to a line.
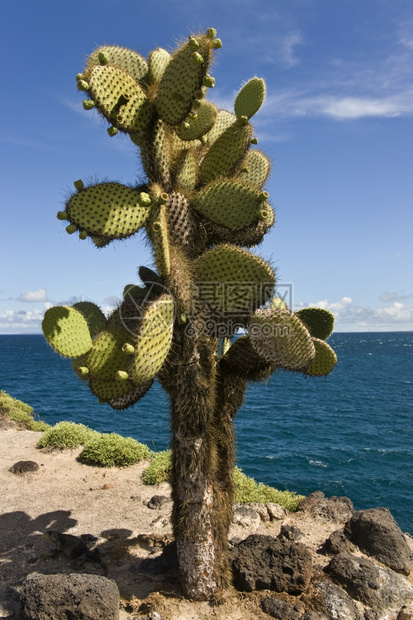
<point>135,393</point>
<point>280,338</point>
<point>154,340</point>
<point>94,316</point>
<point>107,210</point>
<point>67,331</point>
<point>186,170</point>
<point>156,153</point>
<point>226,152</point>
<point>157,227</point>
<point>107,390</point>
<point>119,98</point>
<point>106,356</point>
<point>230,203</point>
<point>233,280</point>
<point>205,118</point>
<point>241,359</point>
<point>250,98</point>
<point>318,321</point>
<point>120,57</point>
<point>183,76</point>
<point>254,169</point>
<point>158,61</point>
<point>324,361</point>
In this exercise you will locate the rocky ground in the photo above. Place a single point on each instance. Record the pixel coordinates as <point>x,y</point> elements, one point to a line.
<point>324,561</point>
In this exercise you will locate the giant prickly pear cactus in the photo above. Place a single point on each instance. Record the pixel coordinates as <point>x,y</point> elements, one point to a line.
<point>203,204</point>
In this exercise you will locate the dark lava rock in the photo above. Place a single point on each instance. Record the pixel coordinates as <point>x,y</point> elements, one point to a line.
<point>339,605</point>
<point>280,609</point>
<point>24,467</point>
<point>337,542</point>
<point>265,563</point>
<point>377,587</point>
<point>377,534</point>
<point>74,596</point>
<point>157,502</point>
<point>337,509</point>
<point>290,532</point>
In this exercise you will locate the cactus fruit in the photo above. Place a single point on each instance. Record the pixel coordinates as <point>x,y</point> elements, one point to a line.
<point>203,202</point>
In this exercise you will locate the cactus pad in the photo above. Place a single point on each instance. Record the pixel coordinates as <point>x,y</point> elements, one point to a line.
<point>182,77</point>
<point>94,316</point>
<point>133,63</point>
<point>107,390</point>
<point>250,98</point>
<point>106,356</point>
<point>318,321</point>
<point>226,152</point>
<point>229,203</point>
<point>233,280</point>
<point>153,340</point>
<point>129,398</point>
<point>107,210</point>
<point>67,331</point>
<point>119,98</point>
<point>157,227</point>
<point>324,361</point>
<point>280,338</point>
<point>158,60</point>
<point>254,169</point>
<point>200,124</point>
<point>243,360</point>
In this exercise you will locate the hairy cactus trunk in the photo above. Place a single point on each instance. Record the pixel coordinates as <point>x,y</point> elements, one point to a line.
<point>194,466</point>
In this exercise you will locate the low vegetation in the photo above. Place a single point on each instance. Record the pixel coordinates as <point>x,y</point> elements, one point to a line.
<point>113,450</point>
<point>67,435</point>
<point>21,413</point>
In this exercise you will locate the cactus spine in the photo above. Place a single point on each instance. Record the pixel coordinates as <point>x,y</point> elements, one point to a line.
<point>201,207</point>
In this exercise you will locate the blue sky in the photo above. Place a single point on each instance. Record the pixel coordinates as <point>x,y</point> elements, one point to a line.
<point>336,124</point>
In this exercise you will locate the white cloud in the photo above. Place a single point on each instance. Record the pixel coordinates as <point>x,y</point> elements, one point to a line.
<point>286,45</point>
<point>21,322</point>
<point>352,317</point>
<point>389,297</point>
<point>37,295</point>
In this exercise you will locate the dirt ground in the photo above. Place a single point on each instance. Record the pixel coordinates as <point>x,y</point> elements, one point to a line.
<point>108,508</point>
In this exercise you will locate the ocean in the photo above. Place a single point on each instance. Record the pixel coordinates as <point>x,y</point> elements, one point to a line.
<point>350,433</point>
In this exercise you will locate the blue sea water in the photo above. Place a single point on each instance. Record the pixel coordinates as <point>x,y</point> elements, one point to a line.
<point>350,433</point>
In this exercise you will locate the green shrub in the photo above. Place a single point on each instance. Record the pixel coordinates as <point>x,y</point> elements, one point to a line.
<point>20,412</point>
<point>112,450</point>
<point>66,435</point>
<point>248,490</point>
<point>159,469</point>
